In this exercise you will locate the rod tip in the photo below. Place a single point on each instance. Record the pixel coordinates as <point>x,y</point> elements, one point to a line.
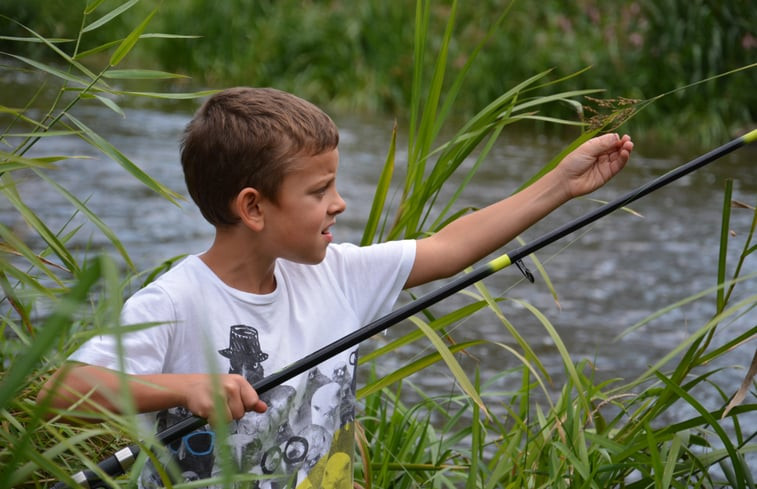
<point>750,137</point>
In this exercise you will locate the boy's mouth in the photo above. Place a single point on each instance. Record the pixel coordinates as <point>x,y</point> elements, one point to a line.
<point>326,232</point>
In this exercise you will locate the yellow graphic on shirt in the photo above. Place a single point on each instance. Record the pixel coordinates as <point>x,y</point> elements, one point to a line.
<point>333,471</point>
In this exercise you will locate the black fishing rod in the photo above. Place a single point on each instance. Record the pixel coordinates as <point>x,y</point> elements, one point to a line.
<point>122,460</point>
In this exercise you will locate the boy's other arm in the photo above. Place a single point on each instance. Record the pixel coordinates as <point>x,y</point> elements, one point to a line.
<point>103,387</point>
<point>472,237</point>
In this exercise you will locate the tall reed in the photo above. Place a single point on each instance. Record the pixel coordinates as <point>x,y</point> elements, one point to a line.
<point>592,434</point>
<point>595,434</point>
<point>54,293</point>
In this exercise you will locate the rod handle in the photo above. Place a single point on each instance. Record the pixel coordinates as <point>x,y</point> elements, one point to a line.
<point>116,464</point>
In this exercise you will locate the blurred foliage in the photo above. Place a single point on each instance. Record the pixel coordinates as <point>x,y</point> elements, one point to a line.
<point>358,55</point>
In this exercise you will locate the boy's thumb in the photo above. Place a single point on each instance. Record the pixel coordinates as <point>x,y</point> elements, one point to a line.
<point>605,142</point>
<point>612,138</point>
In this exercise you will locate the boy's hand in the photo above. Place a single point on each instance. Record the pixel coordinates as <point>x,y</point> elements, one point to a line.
<point>199,392</point>
<point>470,238</point>
<point>592,164</point>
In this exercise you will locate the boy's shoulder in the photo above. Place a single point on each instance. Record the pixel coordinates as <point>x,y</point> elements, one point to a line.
<point>349,254</point>
<point>187,267</point>
<point>186,275</point>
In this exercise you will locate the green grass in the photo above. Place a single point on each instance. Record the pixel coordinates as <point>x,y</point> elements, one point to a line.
<point>622,433</point>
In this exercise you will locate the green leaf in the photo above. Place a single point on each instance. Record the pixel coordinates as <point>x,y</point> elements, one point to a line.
<point>68,59</point>
<point>52,40</point>
<point>109,16</point>
<point>561,348</point>
<point>527,350</point>
<point>81,207</point>
<point>452,364</point>
<point>45,134</point>
<point>108,149</point>
<point>131,40</point>
<point>136,74</point>
<point>9,162</point>
<point>40,227</point>
<point>111,105</point>
<point>379,198</point>
<point>97,49</point>
<point>169,96</point>
<point>55,325</point>
<point>411,368</point>
<point>92,6</point>
<point>439,323</point>
<point>51,70</point>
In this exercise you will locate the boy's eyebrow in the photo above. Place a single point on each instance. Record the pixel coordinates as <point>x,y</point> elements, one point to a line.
<point>326,179</point>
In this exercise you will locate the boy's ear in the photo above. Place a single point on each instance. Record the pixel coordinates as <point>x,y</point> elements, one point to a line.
<point>247,207</point>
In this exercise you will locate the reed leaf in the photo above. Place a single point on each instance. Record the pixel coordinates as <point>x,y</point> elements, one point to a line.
<point>109,104</point>
<point>138,74</point>
<point>693,338</point>
<point>130,41</point>
<point>97,141</point>
<point>166,95</point>
<point>382,189</point>
<point>436,324</point>
<point>724,230</point>
<point>10,162</point>
<point>519,339</point>
<point>68,60</point>
<point>51,70</point>
<point>452,364</point>
<point>34,221</point>
<point>107,17</point>
<point>93,218</point>
<point>738,467</point>
<point>412,368</point>
<point>57,324</point>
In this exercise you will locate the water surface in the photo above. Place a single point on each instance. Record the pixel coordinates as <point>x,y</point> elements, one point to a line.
<point>607,277</point>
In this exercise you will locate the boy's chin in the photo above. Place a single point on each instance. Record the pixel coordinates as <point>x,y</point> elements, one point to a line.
<point>311,260</point>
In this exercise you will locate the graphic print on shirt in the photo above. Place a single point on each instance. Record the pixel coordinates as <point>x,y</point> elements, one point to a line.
<point>304,439</point>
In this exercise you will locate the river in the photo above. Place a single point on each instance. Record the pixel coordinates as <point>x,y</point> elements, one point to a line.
<point>607,277</point>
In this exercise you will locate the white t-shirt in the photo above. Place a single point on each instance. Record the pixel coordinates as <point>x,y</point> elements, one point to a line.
<point>305,439</point>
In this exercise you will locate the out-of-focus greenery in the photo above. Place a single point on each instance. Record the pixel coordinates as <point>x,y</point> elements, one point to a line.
<point>359,56</point>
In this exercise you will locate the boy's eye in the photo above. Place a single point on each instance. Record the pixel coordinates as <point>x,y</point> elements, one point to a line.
<point>322,190</point>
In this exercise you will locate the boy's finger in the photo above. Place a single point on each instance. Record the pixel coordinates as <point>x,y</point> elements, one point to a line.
<point>260,407</point>
<point>252,401</point>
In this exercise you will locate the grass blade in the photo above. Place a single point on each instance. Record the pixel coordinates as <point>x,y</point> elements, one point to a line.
<point>109,16</point>
<point>130,41</point>
<point>108,149</point>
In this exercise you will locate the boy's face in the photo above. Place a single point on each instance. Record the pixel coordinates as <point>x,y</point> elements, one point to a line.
<point>308,203</point>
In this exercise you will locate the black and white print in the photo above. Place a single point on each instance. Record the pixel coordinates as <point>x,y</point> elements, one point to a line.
<point>301,441</point>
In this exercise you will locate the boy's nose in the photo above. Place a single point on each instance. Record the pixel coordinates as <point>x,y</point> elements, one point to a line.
<point>338,205</point>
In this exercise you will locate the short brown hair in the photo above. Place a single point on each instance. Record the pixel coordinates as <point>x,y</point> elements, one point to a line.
<point>247,137</point>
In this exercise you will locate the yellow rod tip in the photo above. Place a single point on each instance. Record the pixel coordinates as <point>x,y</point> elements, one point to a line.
<point>751,136</point>
<point>499,263</point>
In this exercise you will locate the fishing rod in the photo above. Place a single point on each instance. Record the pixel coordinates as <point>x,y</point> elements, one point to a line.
<point>121,461</point>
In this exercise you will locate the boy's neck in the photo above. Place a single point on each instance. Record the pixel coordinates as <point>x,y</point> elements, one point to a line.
<point>236,260</point>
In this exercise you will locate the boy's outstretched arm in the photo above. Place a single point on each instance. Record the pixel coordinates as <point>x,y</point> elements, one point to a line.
<point>474,236</point>
<point>101,388</point>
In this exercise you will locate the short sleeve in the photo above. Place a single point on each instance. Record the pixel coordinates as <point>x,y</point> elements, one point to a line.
<point>140,344</point>
<point>372,277</point>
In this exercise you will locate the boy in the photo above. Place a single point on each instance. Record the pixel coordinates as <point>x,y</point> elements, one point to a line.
<point>261,165</point>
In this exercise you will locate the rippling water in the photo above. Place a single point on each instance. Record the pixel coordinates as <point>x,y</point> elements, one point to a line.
<point>607,277</point>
